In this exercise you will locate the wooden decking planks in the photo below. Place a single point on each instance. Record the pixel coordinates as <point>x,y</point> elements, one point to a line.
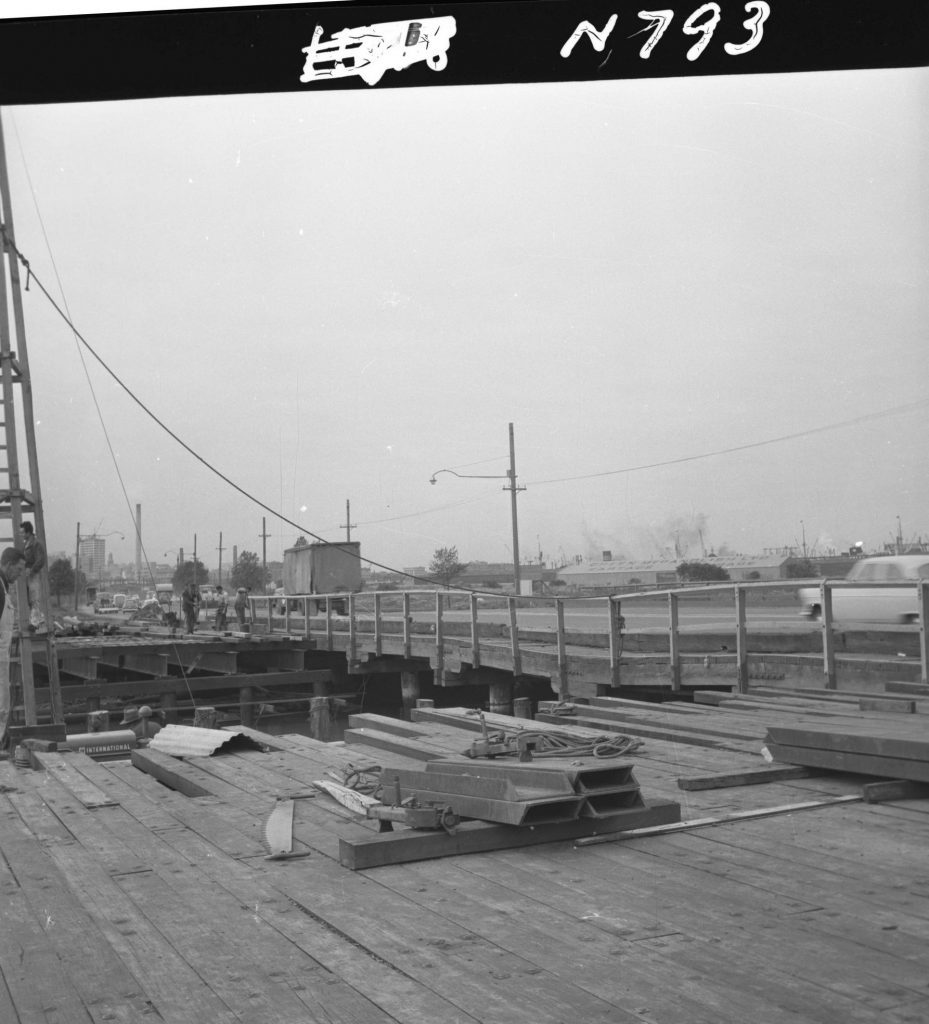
<point>820,917</point>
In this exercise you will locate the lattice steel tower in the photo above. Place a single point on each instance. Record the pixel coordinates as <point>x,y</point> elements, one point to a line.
<point>21,496</point>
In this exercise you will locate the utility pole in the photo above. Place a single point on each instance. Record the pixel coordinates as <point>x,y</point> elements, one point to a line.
<point>348,524</point>
<point>512,488</point>
<point>219,573</point>
<point>264,550</point>
<point>138,547</point>
<point>77,566</point>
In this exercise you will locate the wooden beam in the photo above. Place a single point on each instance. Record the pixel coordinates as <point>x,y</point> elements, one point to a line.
<point>894,789</point>
<point>753,777</point>
<point>305,680</point>
<point>479,836</point>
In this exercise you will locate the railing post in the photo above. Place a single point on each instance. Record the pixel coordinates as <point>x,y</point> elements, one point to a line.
<point>407,640</point>
<point>439,639</point>
<point>378,640</point>
<point>923,632</point>
<point>352,631</point>
<point>825,603</point>
<point>475,634</point>
<point>328,622</point>
<point>306,617</point>
<point>616,639</point>
<point>741,641</point>
<point>563,690</point>
<point>514,637</point>
<point>674,643</point>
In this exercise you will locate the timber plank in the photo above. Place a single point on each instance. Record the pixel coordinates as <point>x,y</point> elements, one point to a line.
<point>559,925</point>
<point>231,949</point>
<point>635,727</point>
<point>894,789</point>
<point>65,773</point>
<point>860,912</point>
<point>478,836</point>
<point>752,777</point>
<point>335,899</point>
<point>636,913</point>
<point>518,921</point>
<point>34,986</point>
<point>173,989</point>
<point>691,934</point>
<point>211,928</point>
<point>859,763</point>
<point>847,855</point>
<point>102,986</point>
<point>406,746</point>
<point>903,738</point>
<point>830,935</point>
<point>806,967</point>
<point>456,962</point>
<point>381,987</point>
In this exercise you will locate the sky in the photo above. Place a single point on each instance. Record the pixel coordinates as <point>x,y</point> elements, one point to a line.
<point>701,303</point>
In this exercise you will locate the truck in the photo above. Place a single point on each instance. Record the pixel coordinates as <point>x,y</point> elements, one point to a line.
<point>323,568</point>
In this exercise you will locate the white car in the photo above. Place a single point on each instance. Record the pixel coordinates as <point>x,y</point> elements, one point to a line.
<point>878,603</point>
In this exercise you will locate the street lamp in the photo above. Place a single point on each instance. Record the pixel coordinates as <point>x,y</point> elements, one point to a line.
<point>511,487</point>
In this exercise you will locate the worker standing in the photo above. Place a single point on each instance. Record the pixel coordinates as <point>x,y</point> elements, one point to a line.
<point>190,603</point>
<point>241,606</point>
<point>221,605</point>
<point>12,564</point>
<point>34,554</point>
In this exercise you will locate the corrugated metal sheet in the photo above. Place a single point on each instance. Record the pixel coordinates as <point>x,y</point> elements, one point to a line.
<point>189,741</point>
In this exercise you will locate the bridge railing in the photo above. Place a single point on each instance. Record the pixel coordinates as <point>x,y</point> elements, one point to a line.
<point>392,613</point>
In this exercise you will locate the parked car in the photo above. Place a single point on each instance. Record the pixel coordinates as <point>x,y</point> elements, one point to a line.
<point>878,603</point>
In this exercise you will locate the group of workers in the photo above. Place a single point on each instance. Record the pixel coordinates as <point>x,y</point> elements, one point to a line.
<point>190,606</point>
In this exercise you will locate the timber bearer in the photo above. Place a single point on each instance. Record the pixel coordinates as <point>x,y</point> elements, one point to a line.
<point>12,564</point>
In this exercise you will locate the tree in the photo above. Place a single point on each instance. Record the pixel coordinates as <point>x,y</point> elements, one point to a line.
<point>61,578</point>
<point>445,565</point>
<point>700,572</point>
<point>247,572</point>
<point>188,572</point>
<point>800,569</point>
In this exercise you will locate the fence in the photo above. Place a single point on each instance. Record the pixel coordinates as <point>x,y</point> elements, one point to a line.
<point>389,613</point>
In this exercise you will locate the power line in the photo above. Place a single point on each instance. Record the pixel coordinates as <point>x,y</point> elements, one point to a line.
<point>895,411</point>
<point>31,276</point>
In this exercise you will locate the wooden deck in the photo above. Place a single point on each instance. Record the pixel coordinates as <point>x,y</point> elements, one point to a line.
<point>126,900</point>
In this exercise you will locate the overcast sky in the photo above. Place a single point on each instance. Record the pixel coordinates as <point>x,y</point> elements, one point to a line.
<point>332,296</point>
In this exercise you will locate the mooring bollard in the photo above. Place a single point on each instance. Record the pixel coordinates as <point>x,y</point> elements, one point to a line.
<point>205,718</point>
<point>522,707</point>
<point>321,719</point>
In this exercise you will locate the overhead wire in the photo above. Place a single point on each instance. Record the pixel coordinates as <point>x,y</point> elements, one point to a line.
<point>65,316</point>
<point>863,418</point>
<point>174,436</point>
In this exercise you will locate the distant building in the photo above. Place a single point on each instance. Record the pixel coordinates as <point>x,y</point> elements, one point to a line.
<point>619,575</point>
<point>92,557</point>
